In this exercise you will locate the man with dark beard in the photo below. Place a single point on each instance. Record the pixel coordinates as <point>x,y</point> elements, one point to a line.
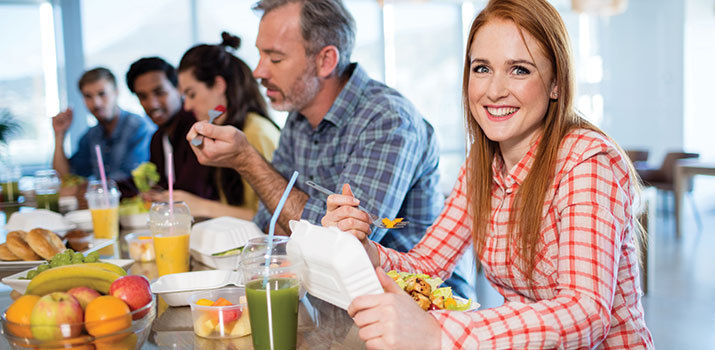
<point>122,136</point>
<point>343,127</point>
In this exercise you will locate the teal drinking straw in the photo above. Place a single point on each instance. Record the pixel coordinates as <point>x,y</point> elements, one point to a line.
<point>272,226</point>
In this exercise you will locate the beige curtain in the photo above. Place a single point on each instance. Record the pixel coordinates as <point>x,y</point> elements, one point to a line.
<point>599,7</point>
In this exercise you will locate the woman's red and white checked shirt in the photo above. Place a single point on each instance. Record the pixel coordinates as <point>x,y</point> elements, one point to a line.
<point>587,290</point>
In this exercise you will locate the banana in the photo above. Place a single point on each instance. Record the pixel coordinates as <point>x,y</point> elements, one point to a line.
<point>63,278</point>
<point>108,266</point>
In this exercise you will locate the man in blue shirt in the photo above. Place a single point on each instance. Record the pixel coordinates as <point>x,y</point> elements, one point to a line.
<point>343,128</point>
<point>122,136</point>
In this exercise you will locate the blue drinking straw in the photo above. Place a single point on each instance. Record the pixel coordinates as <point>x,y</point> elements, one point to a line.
<point>272,226</point>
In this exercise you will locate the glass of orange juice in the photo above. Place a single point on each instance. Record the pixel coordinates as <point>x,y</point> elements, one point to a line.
<point>104,206</point>
<point>171,232</point>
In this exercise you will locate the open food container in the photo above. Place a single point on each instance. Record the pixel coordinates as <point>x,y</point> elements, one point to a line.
<point>176,288</point>
<point>336,267</point>
<point>211,238</point>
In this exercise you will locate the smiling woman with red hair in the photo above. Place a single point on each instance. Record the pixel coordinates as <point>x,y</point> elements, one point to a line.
<point>545,197</point>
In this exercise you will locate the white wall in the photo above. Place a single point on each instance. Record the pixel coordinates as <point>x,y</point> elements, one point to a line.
<point>643,76</point>
<point>700,77</point>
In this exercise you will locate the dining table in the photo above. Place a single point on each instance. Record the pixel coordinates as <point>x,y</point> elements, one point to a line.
<point>321,325</point>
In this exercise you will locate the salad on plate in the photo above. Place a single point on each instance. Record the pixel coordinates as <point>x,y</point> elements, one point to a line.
<point>426,292</point>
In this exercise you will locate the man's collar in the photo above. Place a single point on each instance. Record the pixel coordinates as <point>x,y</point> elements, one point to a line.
<point>349,96</point>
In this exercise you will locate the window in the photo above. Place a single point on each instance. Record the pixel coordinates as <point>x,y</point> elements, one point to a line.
<point>28,79</point>
<point>424,62</point>
<point>117,33</point>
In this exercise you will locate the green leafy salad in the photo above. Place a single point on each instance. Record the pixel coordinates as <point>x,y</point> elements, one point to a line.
<point>427,293</point>
<point>145,176</point>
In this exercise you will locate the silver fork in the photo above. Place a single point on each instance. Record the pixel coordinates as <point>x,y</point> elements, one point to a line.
<point>376,221</point>
<point>213,114</point>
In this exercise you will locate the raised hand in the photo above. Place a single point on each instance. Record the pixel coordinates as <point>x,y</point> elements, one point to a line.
<point>393,320</point>
<point>62,122</point>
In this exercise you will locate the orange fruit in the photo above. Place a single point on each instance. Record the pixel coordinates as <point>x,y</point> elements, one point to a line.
<point>19,314</point>
<point>105,315</point>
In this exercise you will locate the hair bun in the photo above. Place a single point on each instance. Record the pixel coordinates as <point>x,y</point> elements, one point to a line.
<point>230,40</point>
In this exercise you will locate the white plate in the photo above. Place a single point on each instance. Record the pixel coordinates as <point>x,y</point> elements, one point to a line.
<point>20,285</point>
<point>336,267</point>
<point>475,305</point>
<point>95,244</point>
<point>175,288</point>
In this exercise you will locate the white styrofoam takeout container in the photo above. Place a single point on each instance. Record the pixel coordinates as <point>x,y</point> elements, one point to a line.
<point>175,288</point>
<point>218,235</point>
<point>336,267</point>
<point>43,218</point>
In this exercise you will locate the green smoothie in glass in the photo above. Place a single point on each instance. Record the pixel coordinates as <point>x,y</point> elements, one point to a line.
<point>283,295</point>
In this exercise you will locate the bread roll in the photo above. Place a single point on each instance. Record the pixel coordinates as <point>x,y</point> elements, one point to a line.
<point>16,243</point>
<point>6,254</point>
<point>45,243</point>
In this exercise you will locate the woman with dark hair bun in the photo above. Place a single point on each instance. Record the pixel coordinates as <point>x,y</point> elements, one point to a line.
<point>211,75</point>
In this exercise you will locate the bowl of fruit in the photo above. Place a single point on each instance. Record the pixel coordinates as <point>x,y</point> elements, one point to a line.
<point>220,313</point>
<point>86,311</point>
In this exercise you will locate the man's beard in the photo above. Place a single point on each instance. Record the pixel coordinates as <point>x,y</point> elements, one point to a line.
<point>301,93</point>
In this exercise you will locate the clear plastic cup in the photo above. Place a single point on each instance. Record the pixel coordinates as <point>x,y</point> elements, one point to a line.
<point>9,179</point>
<point>47,190</point>
<point>224,321</point>
<point>104,207</point>
<point>272,291</point>
<point>171,233</point>
<point>257,247</point>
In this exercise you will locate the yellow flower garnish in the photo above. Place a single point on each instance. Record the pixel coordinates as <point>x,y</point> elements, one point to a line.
<point>391,223</point>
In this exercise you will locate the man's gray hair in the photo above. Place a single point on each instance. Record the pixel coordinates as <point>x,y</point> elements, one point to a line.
<point>323,23</point>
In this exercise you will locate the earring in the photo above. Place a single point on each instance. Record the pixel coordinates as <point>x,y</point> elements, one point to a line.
<point>554,95</point>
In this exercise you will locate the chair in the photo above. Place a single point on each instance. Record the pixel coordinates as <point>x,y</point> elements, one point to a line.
<point>663,177</point>
<point>638,157</point>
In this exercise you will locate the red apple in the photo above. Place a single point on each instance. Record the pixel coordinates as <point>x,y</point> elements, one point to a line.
<point>84,295</point>
<point>133,290</point>
<point>56,315</point>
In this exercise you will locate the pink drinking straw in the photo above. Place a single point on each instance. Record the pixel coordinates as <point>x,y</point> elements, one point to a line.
<point>101,172</point>
<point>171,183</point>
<point>171,189</point>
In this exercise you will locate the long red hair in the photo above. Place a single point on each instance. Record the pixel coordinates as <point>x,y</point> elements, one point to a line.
<point>544,24</point>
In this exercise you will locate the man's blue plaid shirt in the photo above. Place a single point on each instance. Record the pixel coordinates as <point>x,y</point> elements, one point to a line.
<point>375,140</point>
